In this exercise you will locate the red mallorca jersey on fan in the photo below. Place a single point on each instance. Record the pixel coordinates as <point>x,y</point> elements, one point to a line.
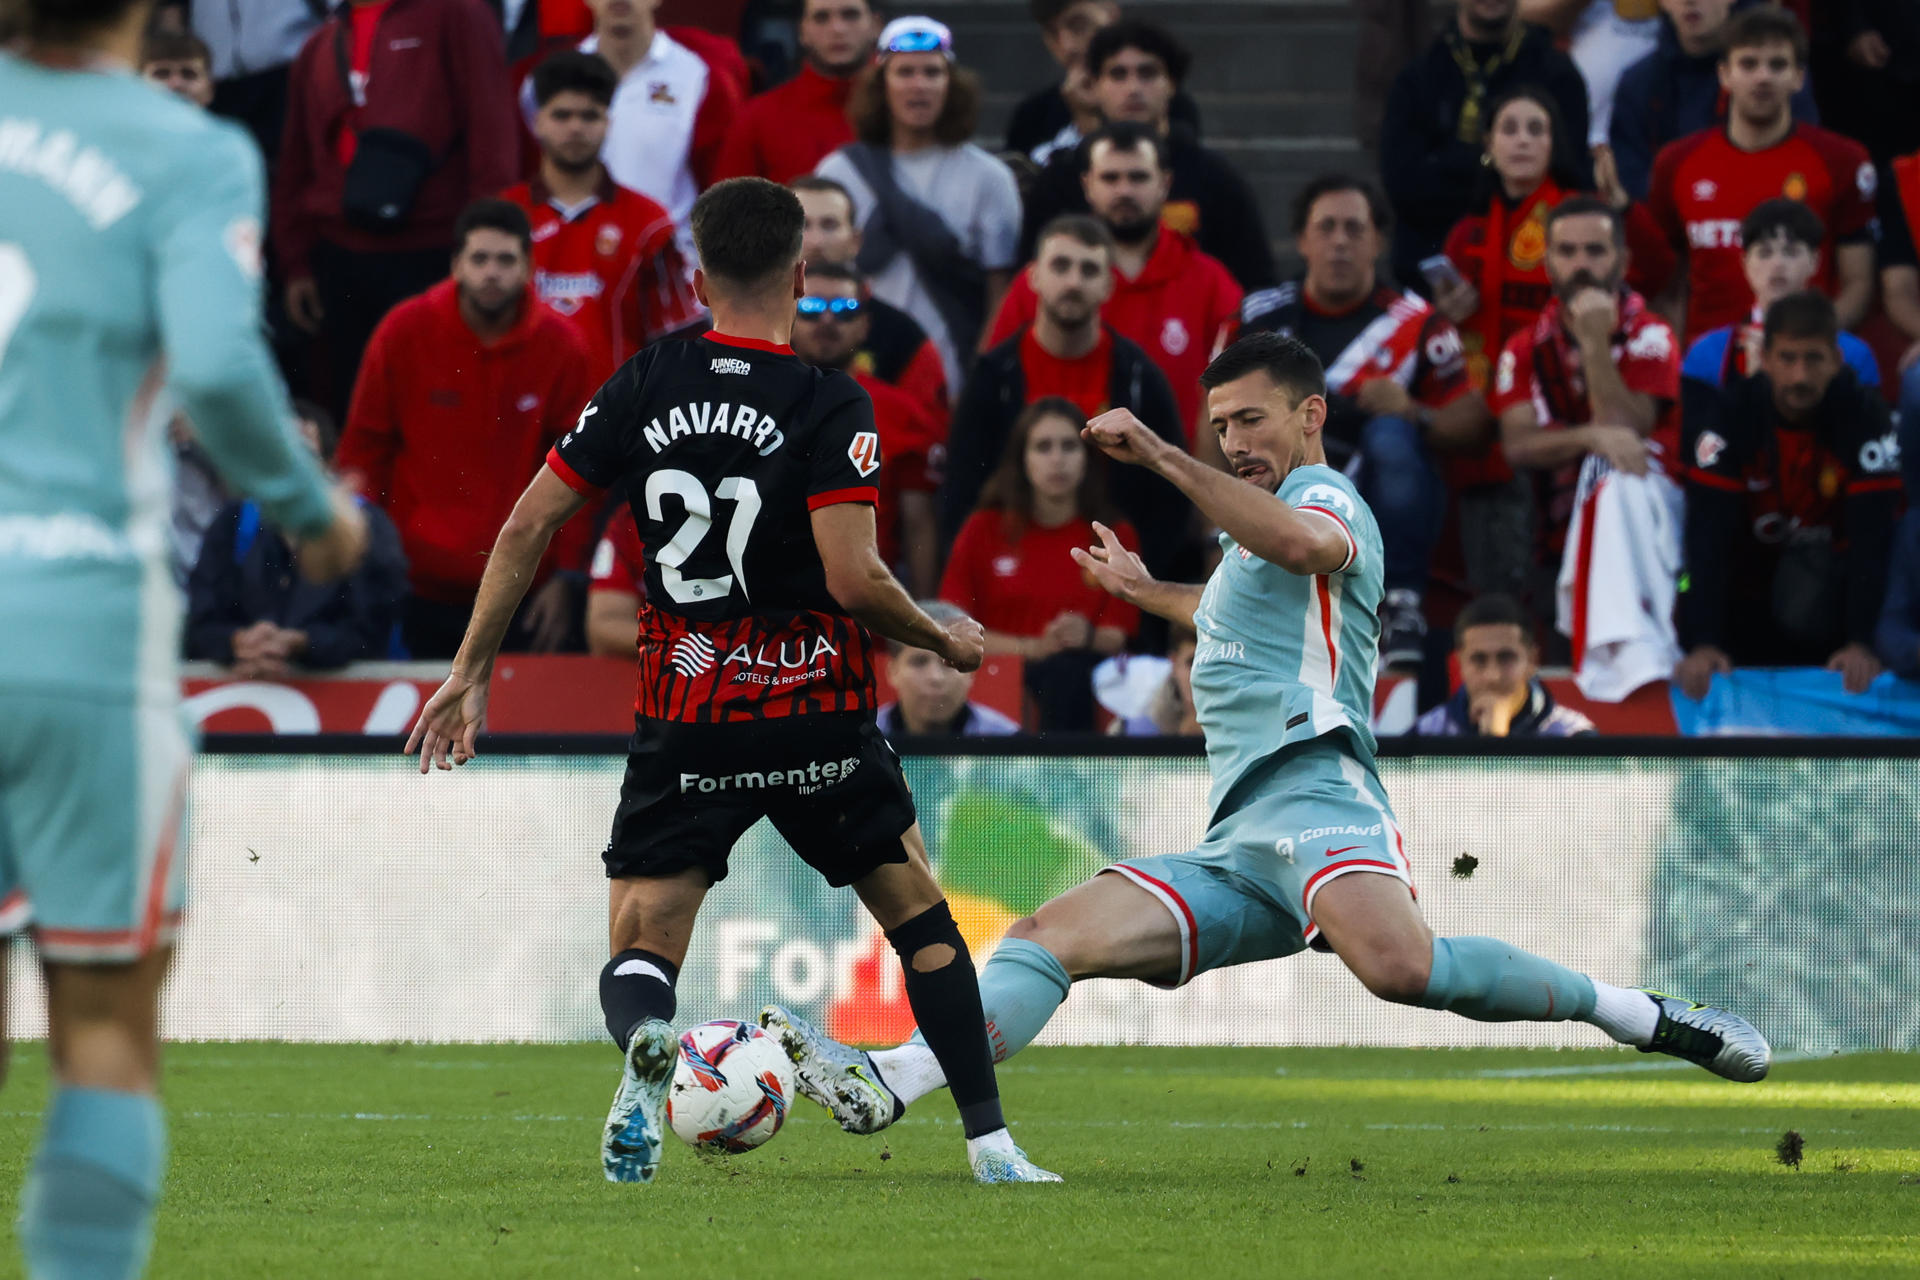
<point>727,446</point>
<point>1703,187</point>
<point>612,268</point>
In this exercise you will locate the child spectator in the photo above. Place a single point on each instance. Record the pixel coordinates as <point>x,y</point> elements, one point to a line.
<point>930,697</point>
<point>179,62</point>
<point>1170,714</point>
<point>1500,692</point>
<point>1010,566</point>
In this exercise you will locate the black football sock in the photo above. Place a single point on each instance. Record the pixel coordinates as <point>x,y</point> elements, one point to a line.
<point>636,985</point>
<point>944,993</point>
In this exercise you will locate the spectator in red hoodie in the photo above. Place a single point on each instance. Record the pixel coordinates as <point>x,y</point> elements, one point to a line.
<point>787,130</point>
<point>399,113</point>
<point>463,391</point>
<point>603,256</point>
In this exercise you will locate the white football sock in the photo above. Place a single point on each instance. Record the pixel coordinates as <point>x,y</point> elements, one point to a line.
<point>910,1070</point>
<point>1628,1016</point>
<point>999,1140</point>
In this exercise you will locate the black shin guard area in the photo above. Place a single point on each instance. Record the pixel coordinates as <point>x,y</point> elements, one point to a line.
<point>644,990</point>
<point>946,1003</point>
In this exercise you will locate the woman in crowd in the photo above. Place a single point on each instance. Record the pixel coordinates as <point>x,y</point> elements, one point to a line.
<point>939,218</point>
<point>1011,569</point>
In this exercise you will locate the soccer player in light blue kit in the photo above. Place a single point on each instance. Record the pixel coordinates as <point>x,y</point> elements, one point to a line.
<point>1302,848</point>
<point>129,281</point>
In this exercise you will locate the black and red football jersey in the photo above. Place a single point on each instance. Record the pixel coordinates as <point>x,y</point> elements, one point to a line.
<point>727,445</point>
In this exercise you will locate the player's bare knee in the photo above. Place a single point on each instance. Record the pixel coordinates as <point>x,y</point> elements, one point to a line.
<point>933,957</point>
<point>1398,974</point>
<point>1025,927</point>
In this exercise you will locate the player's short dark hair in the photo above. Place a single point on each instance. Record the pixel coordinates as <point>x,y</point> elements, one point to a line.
<point>1124,135</point>
<point>1806,314</point>
<point>1764,24</point>
<point>1779,216</point>
<point>1329,184</point>
<point>1493,610</point>
<point>1149,38</point>
<point>571,71</point>
<point>59,20</point>
<point>1081,228</point>
<point>844,271</point>
<point>747,231</point>
<point>1590,207</point>
<point>489,213</point>
<point>1290,362</point>
<point>161,44</point>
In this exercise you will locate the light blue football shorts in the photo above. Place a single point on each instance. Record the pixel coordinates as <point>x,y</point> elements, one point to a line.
<point>1312,814</point>
<point>92,823</point>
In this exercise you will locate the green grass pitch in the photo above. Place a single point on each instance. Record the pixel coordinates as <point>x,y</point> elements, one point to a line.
<point>422,1161</point>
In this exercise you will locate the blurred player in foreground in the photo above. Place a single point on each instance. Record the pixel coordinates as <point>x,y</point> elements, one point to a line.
<point>129,277</point>
<point>1301,849</point>
<point>754,478</point>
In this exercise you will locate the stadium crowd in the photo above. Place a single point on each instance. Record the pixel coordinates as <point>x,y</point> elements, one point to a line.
<point>1616,338</point>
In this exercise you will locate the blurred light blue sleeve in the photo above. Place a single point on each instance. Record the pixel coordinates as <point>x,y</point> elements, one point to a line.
<point>206,242</point>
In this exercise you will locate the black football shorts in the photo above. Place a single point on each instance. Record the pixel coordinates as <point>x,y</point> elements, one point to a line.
<point>830,783</point>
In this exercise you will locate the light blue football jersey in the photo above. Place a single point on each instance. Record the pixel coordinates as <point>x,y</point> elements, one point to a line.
<point>1284,658</point>
<point>130,227</point>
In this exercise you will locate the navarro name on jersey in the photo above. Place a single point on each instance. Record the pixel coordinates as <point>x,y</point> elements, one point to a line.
<point>706,418</point>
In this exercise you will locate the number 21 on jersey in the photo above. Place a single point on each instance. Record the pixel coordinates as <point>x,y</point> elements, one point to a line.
<point>739,490</point>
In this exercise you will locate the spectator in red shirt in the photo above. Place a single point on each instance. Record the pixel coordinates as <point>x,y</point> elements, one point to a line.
<point>669,116</point>
<point>784,132</point>
<point>463,391</point>
<point>398,114</point>
<point>1704,184</point>
<point>1587,398</point>
<point>1178,303</point>
<point>603,256</point>
<point>1068,353</point>
<point>616,584</point>
<point>1011,568</point>
<point>898,350</point>
<point>829,330</point>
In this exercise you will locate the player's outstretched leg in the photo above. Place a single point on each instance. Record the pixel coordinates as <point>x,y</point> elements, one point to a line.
<point>1372,924</point>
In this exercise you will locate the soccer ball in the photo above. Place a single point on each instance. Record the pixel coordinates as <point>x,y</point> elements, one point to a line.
<point>731,1087</point>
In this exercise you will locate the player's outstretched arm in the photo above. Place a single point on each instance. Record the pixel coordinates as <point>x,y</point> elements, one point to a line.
<point>859,579</point>
<point>1122,573</point>
<point>452,717</point>
<point>1252,517</point>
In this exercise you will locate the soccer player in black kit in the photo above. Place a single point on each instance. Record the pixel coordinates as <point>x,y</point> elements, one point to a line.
<point>753,479</point>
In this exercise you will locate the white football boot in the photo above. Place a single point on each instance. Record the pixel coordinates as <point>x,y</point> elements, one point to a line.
<point>839,1078</point>
<point>630,1147</point>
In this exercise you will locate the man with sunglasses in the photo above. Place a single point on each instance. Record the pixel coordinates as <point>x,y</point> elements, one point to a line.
<point>830,332</point>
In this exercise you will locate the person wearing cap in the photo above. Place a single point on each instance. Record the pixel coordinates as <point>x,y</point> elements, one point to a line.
<point>939,218</point>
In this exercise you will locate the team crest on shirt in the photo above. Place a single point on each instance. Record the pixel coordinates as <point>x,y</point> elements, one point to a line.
<point>1867,179</point>
<point>1653,342</point>
<point>242,241</point>
<point>606,242</point>
<point>1528,247</point>
<point>864,452</point>
<point>1326,495</point>
<point>1795,187</point>
<point>660,92</point>
<point>1173,336</point>
<point>1705,189</point>
<point>527,403</point>
<point>1006,566</point>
